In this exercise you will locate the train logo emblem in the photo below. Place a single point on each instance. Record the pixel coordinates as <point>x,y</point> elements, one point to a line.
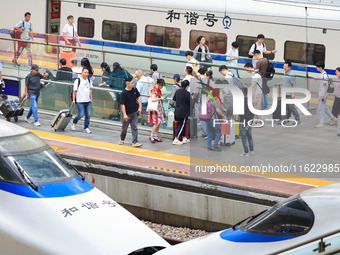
<point>226,22</point>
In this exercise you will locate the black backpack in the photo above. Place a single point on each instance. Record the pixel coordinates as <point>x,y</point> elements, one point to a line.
<point>264,46</point>
<point>270,71</point>
<point>264,86</point>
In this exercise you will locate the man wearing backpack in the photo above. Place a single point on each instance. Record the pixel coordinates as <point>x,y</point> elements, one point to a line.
<point>260,46</point>
<point>24,31</point>
<point>82,97</point>
<point>256,85</point>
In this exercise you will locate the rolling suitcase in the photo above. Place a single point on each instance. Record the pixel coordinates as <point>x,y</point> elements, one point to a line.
<point>12,109</point>
<point>277,113</point>
<point>61,120</point>
<point>192,122</point>
<point>228,134</point>
<point>175,127</point>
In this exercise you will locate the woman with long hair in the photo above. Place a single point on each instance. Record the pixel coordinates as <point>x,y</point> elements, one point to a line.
<point>106,73</point>
<point>157,117</point>
<point>85,63</point>
<point>118,77</point>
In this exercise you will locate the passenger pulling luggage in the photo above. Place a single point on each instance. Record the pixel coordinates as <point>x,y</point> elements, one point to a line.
<point>61,120</point>
<point>12,109</point>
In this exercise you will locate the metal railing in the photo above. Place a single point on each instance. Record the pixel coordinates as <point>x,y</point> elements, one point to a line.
<point>321,245</point>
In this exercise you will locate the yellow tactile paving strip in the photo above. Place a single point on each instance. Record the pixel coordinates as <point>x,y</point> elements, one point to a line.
<point>174,158</point>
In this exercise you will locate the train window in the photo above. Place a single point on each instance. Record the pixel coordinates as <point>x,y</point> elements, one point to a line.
<point>303,53</point>
<point>119,31</point>
<point>20,143</point>
<point>290,218</point>
<point>217,42</point>
<point>86,27</point>
<point>163,36</point>
<point>44,167</point>
<point>6,175</point>
<point>89,6</point>
<point>246,42</point>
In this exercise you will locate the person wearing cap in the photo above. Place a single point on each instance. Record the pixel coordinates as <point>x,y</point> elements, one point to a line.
<point>32,92</point>
<point>117,77</point>
<point>143,85</point>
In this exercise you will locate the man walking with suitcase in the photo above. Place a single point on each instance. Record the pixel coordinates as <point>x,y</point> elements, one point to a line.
<point>131,105</point>
<point>32,91</point>
<point>82,96</point>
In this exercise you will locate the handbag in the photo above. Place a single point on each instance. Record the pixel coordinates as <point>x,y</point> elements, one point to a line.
<point>330,88</point>
<point>152,106</point>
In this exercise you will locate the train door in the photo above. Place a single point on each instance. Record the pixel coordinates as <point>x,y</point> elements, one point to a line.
<point>53,17</point>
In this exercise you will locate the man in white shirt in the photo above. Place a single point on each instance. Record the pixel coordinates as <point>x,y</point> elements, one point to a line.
<point>256,85</point>
<point>259,45</point>
<point>322,106</point>
<point>25,29</point>
<point>70,33</point>
<point>232,57</point>
<point>143,86</point>
<point>82,96</point>
<point>193,63</point>
<point>226,73</point>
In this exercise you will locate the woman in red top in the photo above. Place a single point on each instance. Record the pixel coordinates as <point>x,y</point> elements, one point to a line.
<point>157,117</point>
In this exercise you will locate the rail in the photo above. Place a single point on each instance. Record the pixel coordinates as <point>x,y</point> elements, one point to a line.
<point>321,246</point>
<point>150,57</point>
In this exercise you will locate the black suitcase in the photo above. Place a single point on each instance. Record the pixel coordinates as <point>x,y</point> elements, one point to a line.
<point>193,127</point>
<point>277,114</point>
<point>11,109</point>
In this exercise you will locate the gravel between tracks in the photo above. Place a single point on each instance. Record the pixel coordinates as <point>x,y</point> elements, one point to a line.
<point>177,233</point>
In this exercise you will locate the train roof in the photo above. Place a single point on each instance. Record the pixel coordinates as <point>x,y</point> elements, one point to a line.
<point>9,129</point>
<point>274,8</point>
<point>328,191</point>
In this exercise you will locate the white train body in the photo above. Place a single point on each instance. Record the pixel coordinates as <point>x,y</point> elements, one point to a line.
<point>317,207</point>
<point>64,216</point>
<point>284,22</point>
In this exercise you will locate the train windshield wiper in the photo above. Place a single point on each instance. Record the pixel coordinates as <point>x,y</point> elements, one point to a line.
<point>250,219</point>
<point>25,176</point>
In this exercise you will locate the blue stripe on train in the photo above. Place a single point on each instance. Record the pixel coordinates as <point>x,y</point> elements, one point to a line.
<point>239,236</point>
<point>173,52</point>
<point>60,189</point>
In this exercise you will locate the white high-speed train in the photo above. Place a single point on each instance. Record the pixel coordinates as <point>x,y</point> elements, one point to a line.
<point>47,207</point>
<point>298,219</point>
<point>302,31</point>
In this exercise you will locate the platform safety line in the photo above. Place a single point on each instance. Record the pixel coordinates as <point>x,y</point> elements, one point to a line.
<point>168,170</point>
<point>289,178</point>
<point>113,147</point>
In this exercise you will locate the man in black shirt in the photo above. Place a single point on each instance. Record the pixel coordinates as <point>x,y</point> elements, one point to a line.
<point>32,92</point>
<point>131,105</point>
<point>182,111</point>
<point>64,73</point>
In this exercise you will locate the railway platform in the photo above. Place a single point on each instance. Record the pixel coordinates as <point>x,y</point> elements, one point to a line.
<point>277,146</point>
